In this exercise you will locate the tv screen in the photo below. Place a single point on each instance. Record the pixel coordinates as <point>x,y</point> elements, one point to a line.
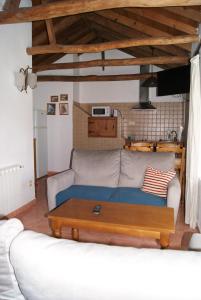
<point>173,81</point>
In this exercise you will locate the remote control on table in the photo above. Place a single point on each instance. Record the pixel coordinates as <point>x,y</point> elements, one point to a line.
<point>96,209</point>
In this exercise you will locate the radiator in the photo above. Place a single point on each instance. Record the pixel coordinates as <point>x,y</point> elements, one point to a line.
<point>10,188</point>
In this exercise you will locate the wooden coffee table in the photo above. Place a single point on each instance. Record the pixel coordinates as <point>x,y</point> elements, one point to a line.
<point>129,219</point>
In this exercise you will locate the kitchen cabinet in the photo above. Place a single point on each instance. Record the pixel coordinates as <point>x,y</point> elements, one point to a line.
<point>102,127</point>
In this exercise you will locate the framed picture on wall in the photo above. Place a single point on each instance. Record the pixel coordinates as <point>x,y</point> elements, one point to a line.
<point>63,109</point>
<point>51,109</point>
<point>54,98</point>
<point>64,97</point>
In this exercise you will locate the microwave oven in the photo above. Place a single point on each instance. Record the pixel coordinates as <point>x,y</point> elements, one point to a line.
<point>101,111</point>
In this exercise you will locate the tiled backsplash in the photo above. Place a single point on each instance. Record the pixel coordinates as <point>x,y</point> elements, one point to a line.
<point>150,125</point>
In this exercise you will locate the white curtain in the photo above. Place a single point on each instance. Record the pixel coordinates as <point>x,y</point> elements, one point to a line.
<point>193,163</point>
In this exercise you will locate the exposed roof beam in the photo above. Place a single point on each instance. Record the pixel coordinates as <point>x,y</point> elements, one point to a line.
<point>115,62</point>
<point>11,5</point>
<point>92,48</point>
<point>120,77</point>
<point>64,8</point>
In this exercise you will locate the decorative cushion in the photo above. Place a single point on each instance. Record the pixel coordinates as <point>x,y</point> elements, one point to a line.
<point>9,289</point>
<point>156,181</point>
<point>134,164</point>
<point>96,167</point>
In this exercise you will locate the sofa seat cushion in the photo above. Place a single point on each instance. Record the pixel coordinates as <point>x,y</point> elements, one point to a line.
<point>136,196</point>
<point>96,167</point>
<point>98,193</point>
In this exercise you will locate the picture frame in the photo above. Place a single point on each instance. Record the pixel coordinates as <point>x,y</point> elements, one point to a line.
<point>63,109</point>
<point>64,97</point>
<point>54,98</point>
<point>51,109</point>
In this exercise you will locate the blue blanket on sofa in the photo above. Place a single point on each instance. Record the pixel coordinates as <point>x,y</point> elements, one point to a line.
<point>99,193</point>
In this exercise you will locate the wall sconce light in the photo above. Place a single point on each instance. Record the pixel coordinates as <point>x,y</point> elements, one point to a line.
<point>23,79</point>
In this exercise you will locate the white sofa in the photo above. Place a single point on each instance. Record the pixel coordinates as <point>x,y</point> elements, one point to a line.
<point>34,266</point>
<point>113,169</point>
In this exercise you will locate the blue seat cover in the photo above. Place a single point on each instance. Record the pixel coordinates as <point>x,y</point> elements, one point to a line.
<point>98,193</point>
<point>136,196</point>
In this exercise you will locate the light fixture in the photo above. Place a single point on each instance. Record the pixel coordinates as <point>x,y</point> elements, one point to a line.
<point>24,78</point>
<point>152,80</point>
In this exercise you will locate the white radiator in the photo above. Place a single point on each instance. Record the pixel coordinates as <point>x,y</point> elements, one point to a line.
<point>10,188</point>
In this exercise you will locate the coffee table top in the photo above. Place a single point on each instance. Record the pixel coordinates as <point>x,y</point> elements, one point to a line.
<point>127,216</point>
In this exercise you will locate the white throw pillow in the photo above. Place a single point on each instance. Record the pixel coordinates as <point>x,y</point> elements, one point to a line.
<point>9,288</point>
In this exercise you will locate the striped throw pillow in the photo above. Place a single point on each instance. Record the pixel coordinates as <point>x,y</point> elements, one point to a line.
<point>156,181</point>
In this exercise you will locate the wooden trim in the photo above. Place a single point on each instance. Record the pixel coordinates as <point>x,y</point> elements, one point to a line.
<point>118,44</point>
<point>73,7</point>
<point>121,77</point>
<point>11,5</point>
<point>22,209</point>
<point>160,60</point>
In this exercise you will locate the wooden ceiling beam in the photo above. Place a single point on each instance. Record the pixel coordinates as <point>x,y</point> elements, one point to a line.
<point>65,8</point>
<point>11,5</point>
<point>135,22</point>
<point>159,60</point>
<point>51,31</point>
<point>93,48</point>
<point>186,12</point>
<point>127,32</point>
<point>163,17</point>
<point>120,77</point>
<point>84,36</point>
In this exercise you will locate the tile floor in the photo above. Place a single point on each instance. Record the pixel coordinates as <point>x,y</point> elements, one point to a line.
<point>35,219</point>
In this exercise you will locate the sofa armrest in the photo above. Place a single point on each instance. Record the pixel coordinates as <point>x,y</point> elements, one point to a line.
<point>56,184</point>
<point>174,195</point>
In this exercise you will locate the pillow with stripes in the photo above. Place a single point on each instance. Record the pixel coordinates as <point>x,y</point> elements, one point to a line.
<point>156,181</point>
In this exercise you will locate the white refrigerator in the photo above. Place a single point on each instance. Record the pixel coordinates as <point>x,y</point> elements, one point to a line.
<point>40,134</point>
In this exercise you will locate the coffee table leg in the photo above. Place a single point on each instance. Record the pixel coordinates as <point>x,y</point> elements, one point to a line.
<point>75,234</point>
<point>56,229</point>
<point>164,240</point>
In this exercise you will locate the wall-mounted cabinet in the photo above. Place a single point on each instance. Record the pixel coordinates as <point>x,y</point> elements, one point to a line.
<point>102,127</point>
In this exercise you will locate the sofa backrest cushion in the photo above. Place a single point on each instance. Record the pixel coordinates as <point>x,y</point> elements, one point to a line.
<point>134,164</point>
<point>8,284</point>
<point>96,167</point>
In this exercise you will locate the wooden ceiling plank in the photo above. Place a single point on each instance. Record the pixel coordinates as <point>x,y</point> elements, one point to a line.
<point>159,60</point>
<point>131,33</point>
<point>186,12</point>
<point>163,17</point>
<point>93,48</point>
<point>64,8</point>
<point>82,36</point>
<point>120,77</point>
<point>11,5</point>
<point>122,18</point>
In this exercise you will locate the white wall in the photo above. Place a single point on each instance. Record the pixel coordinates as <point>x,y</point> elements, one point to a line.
<point>59,127</point>
<point>16,133</point>
<point>111,91</point>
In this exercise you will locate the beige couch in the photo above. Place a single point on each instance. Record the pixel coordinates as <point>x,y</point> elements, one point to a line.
<point>116,169</point>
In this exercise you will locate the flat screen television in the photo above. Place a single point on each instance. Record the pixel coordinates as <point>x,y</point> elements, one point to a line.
<point>173,81</point>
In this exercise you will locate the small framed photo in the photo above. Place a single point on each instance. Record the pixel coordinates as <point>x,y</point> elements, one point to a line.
<point>51,109</point>
<point>54,98</point>
<point>64,97</point>
<point>63,109</point>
